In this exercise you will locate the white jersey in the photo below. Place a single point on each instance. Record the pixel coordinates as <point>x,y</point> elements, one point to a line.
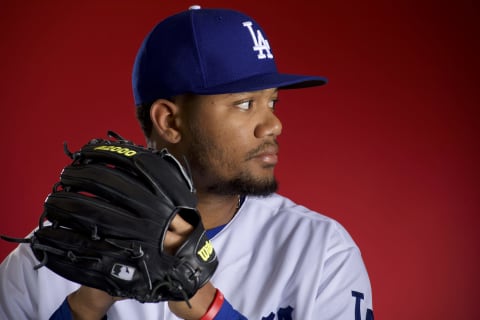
<point>277,260</point>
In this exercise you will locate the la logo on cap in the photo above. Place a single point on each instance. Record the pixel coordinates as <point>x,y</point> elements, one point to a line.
<point>260,43</point>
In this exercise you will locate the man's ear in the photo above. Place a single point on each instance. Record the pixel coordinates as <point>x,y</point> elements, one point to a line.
<point>164,115</point>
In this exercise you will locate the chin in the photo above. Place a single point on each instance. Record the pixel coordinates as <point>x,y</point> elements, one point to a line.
<point>251,186</point>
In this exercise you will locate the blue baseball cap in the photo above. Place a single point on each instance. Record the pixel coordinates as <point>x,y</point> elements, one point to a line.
<point>208,51</point>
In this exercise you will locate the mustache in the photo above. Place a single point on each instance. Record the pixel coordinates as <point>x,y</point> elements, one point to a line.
<point>266,146</point>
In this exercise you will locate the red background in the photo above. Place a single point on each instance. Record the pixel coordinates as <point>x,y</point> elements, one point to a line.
<point>389,147</point>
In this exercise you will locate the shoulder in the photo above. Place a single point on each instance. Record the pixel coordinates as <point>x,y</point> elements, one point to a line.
<point>326,246</point>
<point>302,249</point>
<point>281,212</point>
<point>281,206</point>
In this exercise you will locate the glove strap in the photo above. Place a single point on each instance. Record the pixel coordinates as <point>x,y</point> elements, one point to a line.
<point>214,307</point>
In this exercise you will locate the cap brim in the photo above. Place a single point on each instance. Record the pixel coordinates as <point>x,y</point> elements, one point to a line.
<point>265,81</point>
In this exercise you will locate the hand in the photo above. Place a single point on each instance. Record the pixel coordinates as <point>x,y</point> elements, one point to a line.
<point>90,304</point>
<point>199,302</point>
<point>177,233</point>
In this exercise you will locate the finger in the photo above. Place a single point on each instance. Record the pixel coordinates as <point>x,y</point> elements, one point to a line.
<point>176,235</point>
<point>180,226</point>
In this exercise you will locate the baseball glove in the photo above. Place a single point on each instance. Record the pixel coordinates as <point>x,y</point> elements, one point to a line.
<point>107,220</point>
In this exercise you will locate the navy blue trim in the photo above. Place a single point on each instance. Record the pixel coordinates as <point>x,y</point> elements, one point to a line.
<point>227,312</point>
<point>213,232</point>
<point>63,312</point>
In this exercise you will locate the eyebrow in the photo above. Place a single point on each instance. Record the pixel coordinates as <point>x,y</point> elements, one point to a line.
<point>252,92</point>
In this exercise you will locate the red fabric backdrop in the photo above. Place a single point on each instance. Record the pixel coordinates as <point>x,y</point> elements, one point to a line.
<point>389,148</point>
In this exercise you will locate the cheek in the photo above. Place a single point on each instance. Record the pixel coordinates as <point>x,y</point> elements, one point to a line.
<point>228,139</point>
<point>228,149</point>
<point>235,139</point>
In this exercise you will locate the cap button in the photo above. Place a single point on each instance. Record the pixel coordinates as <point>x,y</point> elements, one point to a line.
<point>195,7</point>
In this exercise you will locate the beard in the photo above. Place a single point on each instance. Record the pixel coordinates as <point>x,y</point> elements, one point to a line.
<point>206,159</point>
<point>244,185</point>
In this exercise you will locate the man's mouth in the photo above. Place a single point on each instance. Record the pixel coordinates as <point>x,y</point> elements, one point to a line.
<point>266,153</point>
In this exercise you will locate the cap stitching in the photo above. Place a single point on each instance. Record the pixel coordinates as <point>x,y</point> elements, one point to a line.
<point>197,50</point>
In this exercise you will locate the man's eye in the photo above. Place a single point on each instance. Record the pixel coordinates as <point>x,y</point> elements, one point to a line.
<point>245,105</point>
<point>272,104</point>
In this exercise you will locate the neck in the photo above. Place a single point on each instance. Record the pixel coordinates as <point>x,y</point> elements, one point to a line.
<point>217,210</point>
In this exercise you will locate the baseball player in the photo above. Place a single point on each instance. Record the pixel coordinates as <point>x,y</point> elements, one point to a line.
<point>205,85</point>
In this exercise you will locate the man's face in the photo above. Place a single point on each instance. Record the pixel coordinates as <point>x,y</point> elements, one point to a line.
<point>230,142</point>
